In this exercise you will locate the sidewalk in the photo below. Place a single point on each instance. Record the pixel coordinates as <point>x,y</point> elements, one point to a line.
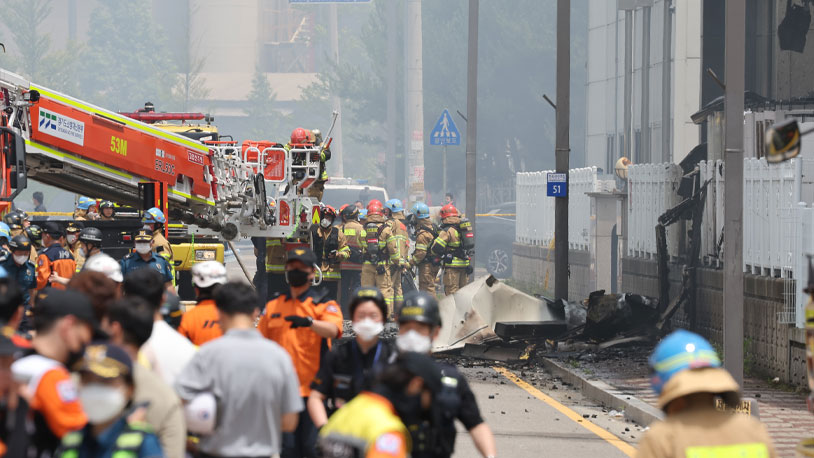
<point>619,379</point>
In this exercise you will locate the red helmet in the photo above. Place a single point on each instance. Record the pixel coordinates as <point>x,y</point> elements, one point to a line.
<point>299,136</point>
<point>327,212</point>
<point>448,210</point>
<point>375,207</point>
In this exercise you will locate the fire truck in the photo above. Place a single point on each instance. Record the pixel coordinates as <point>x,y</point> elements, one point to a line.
<point>215,185</point>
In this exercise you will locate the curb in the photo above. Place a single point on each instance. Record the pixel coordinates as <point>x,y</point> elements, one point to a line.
<point>610,397</point>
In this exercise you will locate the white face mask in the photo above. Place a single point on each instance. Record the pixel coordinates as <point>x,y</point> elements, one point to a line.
<point>71,238</point>
<point>325,223</point>
<point>101,403</point>
<point>368,329</point>
<point>143,248</point>
<point>20,259</point>
<point>413,341</point>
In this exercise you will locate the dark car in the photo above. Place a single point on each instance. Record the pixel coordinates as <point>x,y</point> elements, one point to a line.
<point>494,236</point>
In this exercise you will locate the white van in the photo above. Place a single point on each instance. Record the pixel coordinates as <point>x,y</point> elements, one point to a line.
<point>341,191</point>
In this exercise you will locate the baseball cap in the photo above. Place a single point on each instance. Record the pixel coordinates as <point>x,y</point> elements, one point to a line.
<point>57,303</point>
<point>208,273</point>
<point>52,228</point>
<point>143,235</point>
<point>106,361</point>
<point>304,255</point>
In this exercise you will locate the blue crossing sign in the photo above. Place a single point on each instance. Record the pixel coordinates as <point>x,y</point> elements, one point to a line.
<point>557,185</point>
<point>445,131</point>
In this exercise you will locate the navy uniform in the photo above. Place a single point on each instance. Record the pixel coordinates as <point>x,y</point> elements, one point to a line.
<point>25,275</point>
<point>134,261</point>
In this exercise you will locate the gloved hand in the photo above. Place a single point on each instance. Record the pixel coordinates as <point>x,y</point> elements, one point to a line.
<point>380,269</point>
<point>469,270</point>
<point>332,256</point>
<point>299,321</point>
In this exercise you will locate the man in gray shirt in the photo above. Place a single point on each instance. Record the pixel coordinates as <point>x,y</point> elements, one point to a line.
<point>252,379</point>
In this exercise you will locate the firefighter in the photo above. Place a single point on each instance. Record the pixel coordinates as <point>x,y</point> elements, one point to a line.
<point>19,267</point>
<point>55,264</point>
<point>275,267</point>
<point>330,249</point>
<point>34,234</point>
<point>354,234</point>
<point>425,233</point>
<point>155,220</point>
<point>394,210</point>
<point>688,378</point>
<point>434,434</point>
<point>85,209</point>
<point>382,251</point>
<point>107,210</point>
<point>17,221</point>
<point>448,246</point>
<point>89,244</point>
<point>73,244</point>
<point>363,216</point>
<point>318,188</point>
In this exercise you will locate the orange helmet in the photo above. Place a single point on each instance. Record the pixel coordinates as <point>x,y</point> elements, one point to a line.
<point>375,207</point>
<point>448,210</point>
<point>299,136</point>
<point>327,211</point>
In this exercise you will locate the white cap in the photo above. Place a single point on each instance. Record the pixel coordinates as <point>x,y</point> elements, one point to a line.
<point>201,413</point>
<point>105,264</point>
<point>207,273</point>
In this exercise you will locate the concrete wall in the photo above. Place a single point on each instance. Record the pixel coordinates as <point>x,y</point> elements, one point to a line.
<point>533,267</point>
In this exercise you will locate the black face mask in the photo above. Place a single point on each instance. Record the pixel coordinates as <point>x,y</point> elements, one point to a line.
<point>296,277</point>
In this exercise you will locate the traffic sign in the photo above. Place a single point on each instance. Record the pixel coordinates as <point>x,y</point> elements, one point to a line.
<point>445,131</point>
<point>557,185</point>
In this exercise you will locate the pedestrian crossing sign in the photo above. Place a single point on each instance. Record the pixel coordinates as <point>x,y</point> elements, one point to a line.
<point>445,131</point>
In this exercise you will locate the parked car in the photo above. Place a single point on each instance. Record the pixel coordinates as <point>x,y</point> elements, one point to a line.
<point>494,236</point>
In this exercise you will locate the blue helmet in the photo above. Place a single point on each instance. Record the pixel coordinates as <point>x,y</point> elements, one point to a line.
<point>154,215</point>
<point>5,231</point>
<point>680,351</point>
<point>394,205</point>
<point>85,203</point>
<point>421,210</point>
<point>3,273</point>
<point>363,213</point>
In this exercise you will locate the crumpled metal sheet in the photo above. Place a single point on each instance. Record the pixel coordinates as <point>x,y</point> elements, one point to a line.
<point>470,315</point>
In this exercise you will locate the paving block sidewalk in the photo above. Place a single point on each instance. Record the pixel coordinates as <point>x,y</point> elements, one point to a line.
<point>783,412</point>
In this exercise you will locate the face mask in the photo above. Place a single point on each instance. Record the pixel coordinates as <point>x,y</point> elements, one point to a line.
<point>71,238</point>
<point>83,252</point>
<point>101,403</point>
<point>20,259</point>
<point>296,277</point>
<point>413,341</point>
<point>368,329</point>
<point>93,215</point>
<point>143,248</point>
<point>325,223</point>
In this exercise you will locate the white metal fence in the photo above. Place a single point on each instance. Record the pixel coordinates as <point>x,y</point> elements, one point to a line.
<point>535,211</point>
<point>652,190</point>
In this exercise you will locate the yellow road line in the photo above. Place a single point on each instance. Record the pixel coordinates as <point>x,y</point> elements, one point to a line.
<point>623,446</point>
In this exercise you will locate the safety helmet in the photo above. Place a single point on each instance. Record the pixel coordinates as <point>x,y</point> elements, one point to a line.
<point>153,216</point>
<point>91,235</point>
<point>34,233</point>
<point>375,208</point>
<point>299,136</point>
<point>310,135</point>
<point>14,219</point>
<point>367,293</point>
<point>362,213</point>
<point>421,210</point>
<point>350,212</point>
<point>394,205</point>
<point>421,307</point>
<point>20,243</point>
<point>326,211</point>
<point>5,231</point>
<point>85,203</point>
<point>107,204</point>
<point>680,351</point>
<point>208,273</point>
<point>317,136</point>
<point>106,265</point>
<point>448,210</point>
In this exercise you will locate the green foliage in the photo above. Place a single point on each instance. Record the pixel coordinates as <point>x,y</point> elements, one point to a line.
<point>263,120</point>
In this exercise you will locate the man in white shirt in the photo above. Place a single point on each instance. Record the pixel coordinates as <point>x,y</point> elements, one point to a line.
<point>166,351</point>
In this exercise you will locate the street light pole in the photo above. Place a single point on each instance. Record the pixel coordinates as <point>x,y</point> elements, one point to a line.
<point>472,112</point>
<point>733,187</point>
<point>562,147</point>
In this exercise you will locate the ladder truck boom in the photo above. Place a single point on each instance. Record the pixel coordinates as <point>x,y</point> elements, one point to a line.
<point>220,187</point>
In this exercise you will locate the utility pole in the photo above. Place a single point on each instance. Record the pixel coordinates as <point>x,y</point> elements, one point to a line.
<point>414,172</point>
<point>472,112</point>
<point>645,154</point>
<point>666,52</point>
<point>392,51</point>
<point>336,146</point>
<point>734,62</point>
<point>562,147</point>
<point>628,109</point>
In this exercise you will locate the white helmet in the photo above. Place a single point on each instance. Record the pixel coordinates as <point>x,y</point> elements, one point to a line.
<point>105,264</point>
<point>201,413</point>
<point>207,273</point>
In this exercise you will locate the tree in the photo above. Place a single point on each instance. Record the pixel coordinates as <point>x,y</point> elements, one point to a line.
<point>264,122</point>
<point>191,84</point>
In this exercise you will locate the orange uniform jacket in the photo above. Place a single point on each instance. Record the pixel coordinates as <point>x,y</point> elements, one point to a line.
<point>303,345</point>
<point>54,259</point>
<point>200,325</point>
